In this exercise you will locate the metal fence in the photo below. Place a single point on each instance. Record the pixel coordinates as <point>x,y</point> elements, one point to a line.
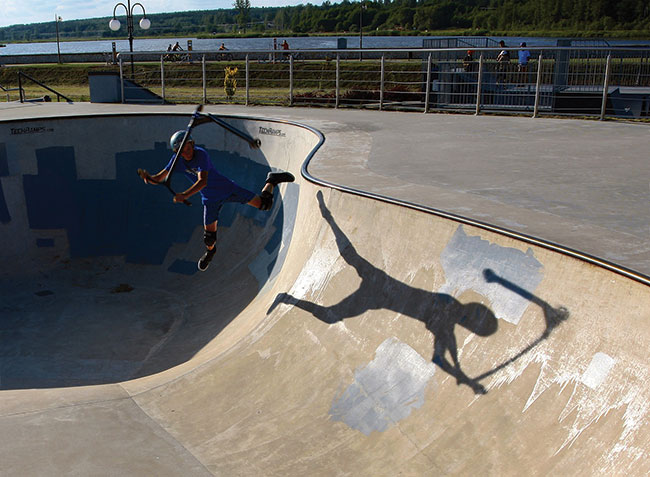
<point>585,81</point>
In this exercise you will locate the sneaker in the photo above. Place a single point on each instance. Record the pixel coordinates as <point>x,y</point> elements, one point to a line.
<point>205,260</point>
<point>276,178</point>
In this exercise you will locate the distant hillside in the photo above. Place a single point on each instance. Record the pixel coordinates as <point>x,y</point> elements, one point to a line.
<point>627,18</point>
<point>163,24</point>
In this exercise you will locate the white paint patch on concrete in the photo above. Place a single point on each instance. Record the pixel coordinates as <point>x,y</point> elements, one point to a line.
<point>386,390</point>
<point>465,260</point>
<point>340,328</point>
<point>324,263</point>
<point>597,371</point>
<point>314,339</point>
<point>594,393</point>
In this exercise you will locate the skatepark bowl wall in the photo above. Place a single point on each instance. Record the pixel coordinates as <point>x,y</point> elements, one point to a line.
<point>336,334</point>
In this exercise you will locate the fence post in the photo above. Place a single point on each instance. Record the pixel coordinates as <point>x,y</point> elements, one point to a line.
<point>205,82</point>
<point>122,80</point>
<point>538,85</point>
<point>21,93</point>
<point>290,80</point>
<point>381,84</point>
<point>603,107</point>
<point>427,94</point>
<point>338,79</point>
<point>478,85</point>
<point>644,59</point>
<point>247,81</point>
<point>162,77</point>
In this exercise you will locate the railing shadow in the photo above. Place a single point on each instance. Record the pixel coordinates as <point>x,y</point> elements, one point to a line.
<point>439,311</point>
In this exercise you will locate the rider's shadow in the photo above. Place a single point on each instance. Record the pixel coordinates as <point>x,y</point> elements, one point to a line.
<point>439,311</point>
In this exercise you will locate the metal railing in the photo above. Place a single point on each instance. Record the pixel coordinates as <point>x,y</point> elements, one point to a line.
<point>8,91</point>
<point>580,81</point>
<point>21,90</point>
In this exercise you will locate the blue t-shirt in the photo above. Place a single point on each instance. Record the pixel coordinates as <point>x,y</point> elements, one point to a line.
<point>218,188</point>
<point>524,56</point>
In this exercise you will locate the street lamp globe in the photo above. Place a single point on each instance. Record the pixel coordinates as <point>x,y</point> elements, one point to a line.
<point>145,23</point>
<point>114,24</point>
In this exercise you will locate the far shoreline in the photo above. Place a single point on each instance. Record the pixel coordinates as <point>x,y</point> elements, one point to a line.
<point>617,35</point>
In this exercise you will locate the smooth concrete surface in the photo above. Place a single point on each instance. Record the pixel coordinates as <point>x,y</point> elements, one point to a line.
<point>337,335</point>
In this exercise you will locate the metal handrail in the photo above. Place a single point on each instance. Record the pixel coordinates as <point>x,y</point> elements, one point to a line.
<point>22,75</point>
<point>8,90</point>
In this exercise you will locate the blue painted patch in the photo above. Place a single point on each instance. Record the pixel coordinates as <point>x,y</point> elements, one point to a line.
<point>124,217</point>
<point>4,162</point>
<point>252,176</point>
<point>5,217</point>
<point>184,267</point>
<point>45,243</point>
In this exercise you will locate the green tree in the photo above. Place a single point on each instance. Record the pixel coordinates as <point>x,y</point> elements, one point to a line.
<point>433,17</point>
<point>400,17</point>
<point>244,8</point>
<point>281,19</point>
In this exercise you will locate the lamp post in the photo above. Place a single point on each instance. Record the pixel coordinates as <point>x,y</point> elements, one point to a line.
<point>114,24</point>
<point>58,19</point>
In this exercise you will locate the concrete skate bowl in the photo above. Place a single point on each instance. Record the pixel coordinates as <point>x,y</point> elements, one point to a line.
<point>99,271</point>
<point>392,340</point>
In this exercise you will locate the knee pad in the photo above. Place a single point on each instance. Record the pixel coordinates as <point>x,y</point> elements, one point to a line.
<point>209,238</point>
<point>267,200</point>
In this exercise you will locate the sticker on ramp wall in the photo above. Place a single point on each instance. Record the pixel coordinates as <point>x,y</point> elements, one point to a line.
<point>268,131</point>
<point>30,130</point>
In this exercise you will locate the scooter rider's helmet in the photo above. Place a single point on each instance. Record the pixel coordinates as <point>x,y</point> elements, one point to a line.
<point>177,138</point>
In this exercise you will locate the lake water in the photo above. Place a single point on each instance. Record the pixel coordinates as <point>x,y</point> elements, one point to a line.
<point>326,42</point>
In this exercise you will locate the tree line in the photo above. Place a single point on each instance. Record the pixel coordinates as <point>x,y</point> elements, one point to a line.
<point>382,17</point>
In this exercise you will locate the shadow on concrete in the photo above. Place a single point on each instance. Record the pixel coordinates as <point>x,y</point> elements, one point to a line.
<point>439,311</point>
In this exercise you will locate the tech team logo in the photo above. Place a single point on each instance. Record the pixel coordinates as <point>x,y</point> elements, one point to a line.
<point>272,132</point>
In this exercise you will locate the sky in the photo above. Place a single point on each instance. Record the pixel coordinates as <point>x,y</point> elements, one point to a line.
<point>15,12</point>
